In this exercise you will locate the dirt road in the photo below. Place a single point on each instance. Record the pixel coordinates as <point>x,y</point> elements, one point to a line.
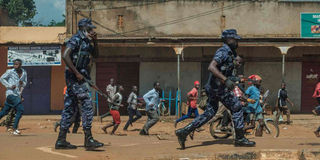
<point>37,141</point>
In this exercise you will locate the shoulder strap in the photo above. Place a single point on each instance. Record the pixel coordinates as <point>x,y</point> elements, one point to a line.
<point>79,52</point>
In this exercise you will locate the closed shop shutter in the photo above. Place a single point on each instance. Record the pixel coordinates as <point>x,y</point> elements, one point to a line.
<point>310,75</point>
<point>3,68</point>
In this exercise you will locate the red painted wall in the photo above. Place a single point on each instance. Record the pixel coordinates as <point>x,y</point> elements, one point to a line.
<point>3,68</point>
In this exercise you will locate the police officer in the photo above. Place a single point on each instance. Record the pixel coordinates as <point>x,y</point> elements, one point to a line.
<point>219,88</point>
<point>79,50</point>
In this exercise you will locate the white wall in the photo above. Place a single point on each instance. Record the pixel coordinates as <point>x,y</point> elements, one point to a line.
<point>166,74</point>
<point>271,79</point>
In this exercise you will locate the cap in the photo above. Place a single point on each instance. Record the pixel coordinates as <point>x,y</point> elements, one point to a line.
<point>254,78</point>
<point>86,22</point>
<point>230,33</point>
<point>196,82</point>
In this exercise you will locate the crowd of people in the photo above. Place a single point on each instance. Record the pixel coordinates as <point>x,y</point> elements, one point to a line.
<point>224,86</point>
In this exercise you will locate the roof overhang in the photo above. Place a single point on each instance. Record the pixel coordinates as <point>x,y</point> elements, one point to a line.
<point>202,42</point>
<point>32,35</point>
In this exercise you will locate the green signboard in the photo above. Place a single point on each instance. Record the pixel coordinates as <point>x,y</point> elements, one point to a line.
<point>310,25</point>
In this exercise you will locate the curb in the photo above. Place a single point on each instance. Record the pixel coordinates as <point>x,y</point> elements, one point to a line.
<point>263,154</point>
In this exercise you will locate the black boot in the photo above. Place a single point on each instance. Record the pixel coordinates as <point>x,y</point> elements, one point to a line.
<point>89,143</point>
<point>242,141</point>
<point>182,134</point>
<point>61,142</point>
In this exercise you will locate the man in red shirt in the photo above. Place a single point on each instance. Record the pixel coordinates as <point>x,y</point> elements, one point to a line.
<point>316,111</point>
<point>192,103</point>
<point>316,95</point>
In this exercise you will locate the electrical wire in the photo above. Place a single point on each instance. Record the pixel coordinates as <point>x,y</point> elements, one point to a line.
<point>124,7</point>
<point>186,18</point>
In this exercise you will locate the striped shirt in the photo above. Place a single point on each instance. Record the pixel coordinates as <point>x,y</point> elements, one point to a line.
<point>10,78</point>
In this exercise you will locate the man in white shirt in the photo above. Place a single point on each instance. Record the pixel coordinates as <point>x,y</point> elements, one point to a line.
<point>14,80</point>
<point>111,90</point>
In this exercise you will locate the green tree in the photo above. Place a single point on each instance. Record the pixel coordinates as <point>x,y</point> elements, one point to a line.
<point>21,11</point>
<point>53,23</point>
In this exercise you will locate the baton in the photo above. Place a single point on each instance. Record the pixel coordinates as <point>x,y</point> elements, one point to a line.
<point>96,88</point>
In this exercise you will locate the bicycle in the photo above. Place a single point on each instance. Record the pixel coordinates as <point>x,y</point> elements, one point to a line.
<point>218,131</point>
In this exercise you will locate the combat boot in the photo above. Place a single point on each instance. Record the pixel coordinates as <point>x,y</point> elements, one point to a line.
<point>182,134</point>
<point>90,143</point>
<point>61,142</point>
<point>242,141</point>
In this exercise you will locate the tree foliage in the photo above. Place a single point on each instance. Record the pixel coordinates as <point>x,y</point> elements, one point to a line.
<point>21,11</point>
<point>54,23</point>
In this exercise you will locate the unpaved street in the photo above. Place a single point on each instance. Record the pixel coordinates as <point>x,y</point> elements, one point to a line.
<point>37,141</point>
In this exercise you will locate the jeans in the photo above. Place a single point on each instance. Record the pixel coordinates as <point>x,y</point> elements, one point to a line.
<point>318,107</point>
<point>132,113</point>
<point>190,111</point>
<point>13,102</point>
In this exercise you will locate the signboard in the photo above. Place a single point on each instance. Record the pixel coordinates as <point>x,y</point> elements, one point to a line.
<point>35,55</point>
<point>310,25</point>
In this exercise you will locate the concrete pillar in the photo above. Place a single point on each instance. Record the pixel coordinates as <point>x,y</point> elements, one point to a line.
<point>283,50</point>
<point>178,51</point>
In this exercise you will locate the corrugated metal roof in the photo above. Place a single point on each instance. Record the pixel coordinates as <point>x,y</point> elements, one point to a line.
<point>28,35</point>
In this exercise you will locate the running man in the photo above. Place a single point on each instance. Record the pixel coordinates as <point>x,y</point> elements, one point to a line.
<point>114,110</point>
<point>192,103</point>
<point>219,88</point>
<point>152,99</point>
<point>132,108</point>
<point>14,80</point>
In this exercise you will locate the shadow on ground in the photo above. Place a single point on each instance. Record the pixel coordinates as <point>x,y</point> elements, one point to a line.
<point>311,144</point>
<point>208,143</point>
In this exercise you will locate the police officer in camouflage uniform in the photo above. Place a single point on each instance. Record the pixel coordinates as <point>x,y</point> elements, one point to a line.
<point>79,50</point>
<point>219,88</point>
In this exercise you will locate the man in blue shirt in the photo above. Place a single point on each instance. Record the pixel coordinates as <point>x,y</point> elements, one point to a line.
<point>77,56</point>
<point>254,109</point>
<point>219,88</point>
<point>152,99</point>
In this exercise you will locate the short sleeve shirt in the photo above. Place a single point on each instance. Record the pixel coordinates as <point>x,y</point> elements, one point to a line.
<point>316,93</point>
<point>282,95</point>
<point>193,94</point>
<point>76,41</point>
<point>111,90</point>
<point>132,100</point>
<point>224,57</point>
<point>254,93</point>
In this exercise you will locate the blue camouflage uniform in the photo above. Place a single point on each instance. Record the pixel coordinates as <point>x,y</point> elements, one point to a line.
<point>78,91</point>
<point>217,91</point>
